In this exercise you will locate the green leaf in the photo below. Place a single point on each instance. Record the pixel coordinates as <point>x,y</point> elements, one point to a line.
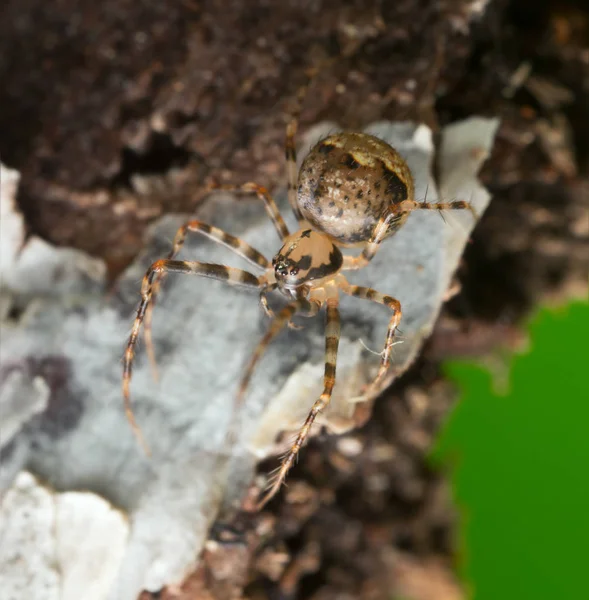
<point>520,466</point>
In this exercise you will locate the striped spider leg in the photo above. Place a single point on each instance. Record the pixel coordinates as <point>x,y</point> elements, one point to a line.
<point>233,276</point>
<point>392,220</point>
<point>327,295</point>
<point>219,236</point>
<point>291,132</point>
<point>395,306</point>
<point>323,292</point>
<point>388,224</point>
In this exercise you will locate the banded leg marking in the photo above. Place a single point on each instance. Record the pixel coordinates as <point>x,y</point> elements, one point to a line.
<point>264,195</point>
<point>291,132</point>
<point>395,306</point>
<point>332,336</point>
<point>231,275</point>
<point>235,244</point>
<point>291,168</point>
<point>302,305</point>
<point>399,211</point>
<point>409,205</point>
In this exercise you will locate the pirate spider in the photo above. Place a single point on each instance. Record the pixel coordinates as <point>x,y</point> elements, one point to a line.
<point>353,190</point>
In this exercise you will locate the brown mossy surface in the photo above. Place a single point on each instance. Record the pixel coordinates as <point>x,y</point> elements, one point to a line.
<point>116,113</point>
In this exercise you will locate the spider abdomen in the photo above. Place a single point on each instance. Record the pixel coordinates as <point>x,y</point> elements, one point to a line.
<point>348,181</point>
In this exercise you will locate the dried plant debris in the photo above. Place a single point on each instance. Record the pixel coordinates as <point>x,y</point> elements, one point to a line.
<point>71,334</point>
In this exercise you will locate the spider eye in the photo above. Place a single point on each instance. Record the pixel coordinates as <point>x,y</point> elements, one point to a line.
<point>294,271</point>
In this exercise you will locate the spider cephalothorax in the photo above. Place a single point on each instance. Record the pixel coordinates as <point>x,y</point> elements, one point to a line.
<point>353,190</point>
<point>306,256</point>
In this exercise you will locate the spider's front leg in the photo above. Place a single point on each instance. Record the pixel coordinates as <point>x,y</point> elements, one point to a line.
<point>235,244</point>
<point>394,219</point>
<point>264,195</point>
<point>233,276</point>
<point>409,205</point>
<point>332,337</point>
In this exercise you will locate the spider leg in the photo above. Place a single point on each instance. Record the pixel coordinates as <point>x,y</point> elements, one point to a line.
<point>264,195</point>
<point>332,336</point>
<point>233,276</point>
<point>395,306</point>
<point>235,244</point>
<point>290,149</point>
<point>301,305</point>
<point>399,212</point>
<point>291,131</point>
<point>406,206</point>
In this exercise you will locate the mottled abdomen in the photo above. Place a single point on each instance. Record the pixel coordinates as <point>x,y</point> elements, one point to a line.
<point>348,181</point>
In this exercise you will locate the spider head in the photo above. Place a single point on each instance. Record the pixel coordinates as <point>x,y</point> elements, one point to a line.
<point>287,271</point>
<point>306,256</point>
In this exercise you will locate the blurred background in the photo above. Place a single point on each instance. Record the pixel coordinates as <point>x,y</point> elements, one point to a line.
<point>469,478</point>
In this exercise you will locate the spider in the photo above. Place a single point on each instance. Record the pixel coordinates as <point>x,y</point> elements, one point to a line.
<point>353,190</point>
